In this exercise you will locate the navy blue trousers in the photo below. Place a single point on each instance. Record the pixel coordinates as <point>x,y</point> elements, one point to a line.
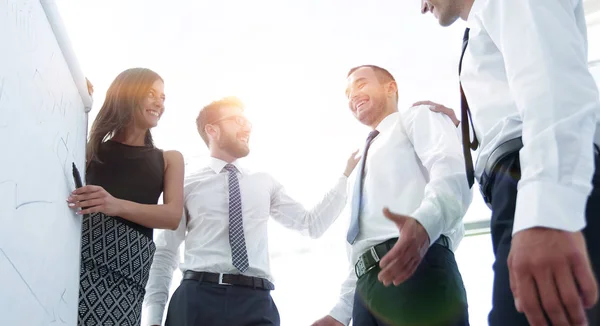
<point>195,303</point>
<point>433,296</point>
<point>504,195</point>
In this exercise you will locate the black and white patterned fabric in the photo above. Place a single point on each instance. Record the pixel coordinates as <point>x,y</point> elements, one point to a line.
<point>115,265</point>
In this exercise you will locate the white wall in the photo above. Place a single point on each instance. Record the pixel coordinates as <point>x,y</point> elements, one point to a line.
<point>43,127</point>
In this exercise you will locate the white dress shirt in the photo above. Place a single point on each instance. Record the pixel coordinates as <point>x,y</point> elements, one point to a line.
<point>525,73</point>
<point>205,227</point>
<point>415,167</point>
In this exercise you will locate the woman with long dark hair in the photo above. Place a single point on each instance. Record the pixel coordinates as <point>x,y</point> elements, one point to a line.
<point>125,175</point>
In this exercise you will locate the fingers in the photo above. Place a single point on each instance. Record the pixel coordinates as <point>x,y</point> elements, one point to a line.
<point>390,272</point>
<point>84,197</point>
<point>551,302</point>
<point>397,252</point>
<point>400,272</point>
<point>442,109</point>
<point>410,269</point>
<point>401,266</point>
<point>567,290</point>
<point>87,189</point>
<point>584,277</point>
<point>400,247</point>
<point>399,219</point>
<point>512,278</point>
<point>435,107</point>
<point>527,300</point>
<point>424,103</point>
<point>90,87</point>
<point>87,203</point>
<point>396,263</point>
<point>354,157</point>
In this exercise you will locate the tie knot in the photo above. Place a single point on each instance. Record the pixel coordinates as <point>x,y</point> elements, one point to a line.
<point>466,35</point>
<point>231,168</point>
<point>372,135</point>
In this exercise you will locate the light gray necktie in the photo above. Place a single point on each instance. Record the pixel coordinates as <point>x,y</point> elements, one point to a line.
<point>239,256</point>
<point>353,230</point>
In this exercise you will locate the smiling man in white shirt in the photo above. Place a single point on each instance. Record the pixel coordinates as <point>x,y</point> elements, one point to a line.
<point>227,278</point>
<point>535,118</point>
<point>403,270</point>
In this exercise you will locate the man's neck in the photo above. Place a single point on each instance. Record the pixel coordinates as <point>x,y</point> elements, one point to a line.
<point>466,9</point>
<point>386,113</point>
<point>221,155</point>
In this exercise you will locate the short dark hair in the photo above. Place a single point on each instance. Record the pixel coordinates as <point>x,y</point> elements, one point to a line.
<point>212,112</point>
<point>382,74</point>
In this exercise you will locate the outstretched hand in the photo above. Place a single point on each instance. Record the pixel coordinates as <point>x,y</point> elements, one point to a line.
<point>402,260</point>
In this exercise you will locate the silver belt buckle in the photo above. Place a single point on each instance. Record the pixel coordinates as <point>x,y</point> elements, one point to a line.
<point>374,254</point>
<point>360,268</point>
<point>221,280</point>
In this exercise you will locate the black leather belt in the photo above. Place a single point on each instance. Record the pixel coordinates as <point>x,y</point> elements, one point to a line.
<point>370,258</point>
<point>500,153</point>
<point>229,279</point>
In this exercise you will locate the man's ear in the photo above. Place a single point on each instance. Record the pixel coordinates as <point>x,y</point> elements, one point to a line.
<point>392,89</point>
<point>211,130</point>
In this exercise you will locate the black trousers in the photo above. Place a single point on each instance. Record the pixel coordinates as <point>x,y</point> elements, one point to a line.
<point>433,296</point>
<point>504,195</point>
<point>205,304</point>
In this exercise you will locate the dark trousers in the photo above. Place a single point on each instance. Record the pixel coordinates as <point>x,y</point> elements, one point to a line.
<point>433,296</point>
<point>504,194</point>
<point>205,304</point>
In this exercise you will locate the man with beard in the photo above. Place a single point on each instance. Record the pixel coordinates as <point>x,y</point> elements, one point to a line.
<point>403,269</point>
<point>526,83</point>
<point>226,272</point>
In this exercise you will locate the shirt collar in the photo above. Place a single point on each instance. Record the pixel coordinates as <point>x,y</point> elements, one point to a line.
<point>387,123</point>
<point>217,165</point>
<point>475,8</point>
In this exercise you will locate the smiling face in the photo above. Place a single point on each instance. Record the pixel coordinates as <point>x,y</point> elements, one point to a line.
<point>151,106</point>
<point>135,99</point>
<point>225,129</point>
<point>370,98</point>
<point>232,132</point>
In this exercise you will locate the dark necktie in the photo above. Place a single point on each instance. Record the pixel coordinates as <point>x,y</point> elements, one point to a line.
<point>466,121</point>
<point>239,256</point>
<point>357,194</point>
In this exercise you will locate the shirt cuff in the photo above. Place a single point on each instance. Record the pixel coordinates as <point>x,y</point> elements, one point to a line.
<point>341,313</point>
<point>154,314</point>
<point>429,217</point>
<point>549,205</point>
